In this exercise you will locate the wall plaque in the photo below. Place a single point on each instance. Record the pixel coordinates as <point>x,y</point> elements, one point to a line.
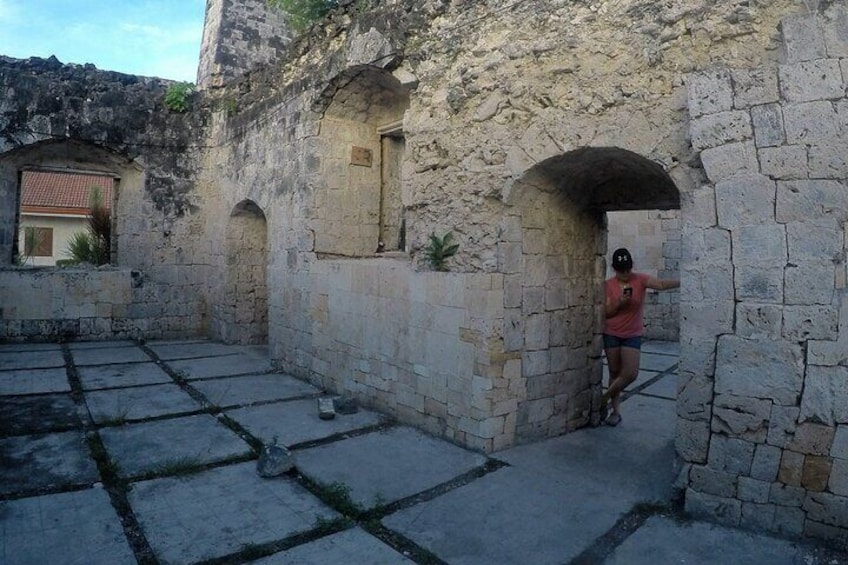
<point>360,156</point>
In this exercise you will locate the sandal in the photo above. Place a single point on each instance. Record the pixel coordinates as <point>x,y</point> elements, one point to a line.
<point>613,420</point>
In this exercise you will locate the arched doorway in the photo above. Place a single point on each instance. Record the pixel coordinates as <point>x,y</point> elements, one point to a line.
<point>554,241</point>
<point>242,315</point>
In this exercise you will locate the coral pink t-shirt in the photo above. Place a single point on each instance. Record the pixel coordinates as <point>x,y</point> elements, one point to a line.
<point>627,322</point>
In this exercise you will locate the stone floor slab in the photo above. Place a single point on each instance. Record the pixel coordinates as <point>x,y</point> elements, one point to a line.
<point>656,362</point>
<point>121,375</point>
<point>666,387</point>
<point>556,497</point>
<point>296,421</point>
<point>662,347</point>
<point>192,350</point>
<point>80,345</point>
<point>220,511</point>
<point>137,403</point>
<point>20,415</point>
<point>238,391</point>
<point>35,381</point>
<point>42,359</point>
<point>664,540</point>
<point>386,466</point>
<point>160,446</point>
<point>226,366</point>
<point>109,355</point>
<point>45,461</point>
<point>72,527</point>
<point>354,546</point>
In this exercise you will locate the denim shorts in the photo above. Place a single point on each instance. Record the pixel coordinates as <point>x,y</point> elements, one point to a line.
<point>610,342</point>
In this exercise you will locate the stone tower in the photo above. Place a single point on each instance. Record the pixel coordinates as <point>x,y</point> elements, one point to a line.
<point>239,35</point>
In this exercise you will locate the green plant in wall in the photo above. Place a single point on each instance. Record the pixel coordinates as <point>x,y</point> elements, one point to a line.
<point>303,13</point>
<point>177,97</point>
<point>440,249</point>
<point>95,245</point>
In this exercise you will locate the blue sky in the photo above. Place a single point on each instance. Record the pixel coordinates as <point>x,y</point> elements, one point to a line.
<point>158,38</point>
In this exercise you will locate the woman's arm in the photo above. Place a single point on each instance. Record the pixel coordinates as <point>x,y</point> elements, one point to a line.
<point>662,284</point>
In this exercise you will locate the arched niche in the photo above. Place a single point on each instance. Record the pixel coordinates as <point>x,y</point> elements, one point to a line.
<point>553,256</point>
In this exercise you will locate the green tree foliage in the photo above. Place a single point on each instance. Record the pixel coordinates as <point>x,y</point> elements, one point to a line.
<point>95,245</point>
<point>177,97</point>
<point>303,13</point>
<point>440,250</point>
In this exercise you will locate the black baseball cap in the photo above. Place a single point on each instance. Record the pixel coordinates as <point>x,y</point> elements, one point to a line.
<point>621,260</point>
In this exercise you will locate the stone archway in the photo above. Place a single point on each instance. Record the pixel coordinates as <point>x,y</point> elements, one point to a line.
<point>242,315</point>
<point>553,242</point>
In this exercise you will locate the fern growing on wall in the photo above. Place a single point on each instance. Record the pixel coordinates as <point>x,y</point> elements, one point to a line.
<point>440,249</point>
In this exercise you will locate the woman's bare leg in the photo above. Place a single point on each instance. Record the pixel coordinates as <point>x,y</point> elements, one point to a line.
<point>627,371</point>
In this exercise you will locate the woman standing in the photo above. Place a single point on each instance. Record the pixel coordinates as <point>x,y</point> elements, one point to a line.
<point>625,296</point>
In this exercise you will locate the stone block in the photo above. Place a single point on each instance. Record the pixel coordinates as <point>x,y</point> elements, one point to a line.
<point>535,363</point>
<point>789,520</point>
<point>741,417</point>
<point>803,37</point>
<point>537,329</point>
<point>727,161</point>
<point>726,511</point>
<point>814,241</point>
<point>695,396</point>
<point>730,455</point>
<point>791,468</point>
<point>692,440</point>
<point>759,244</point>
<point>812,439</point>
<point>782,424</point>
<point>801,323</point>
<point>533,299</point>
<point>721,128</point>
<point>816,472</point>
<point>705,319</point>
<point>745,200</point>
<point>698,359</point>
<point>809,282</point>
<point>811,123</point>
<point>836,32</point>
<point>823,531</point>
<point>827,508</point>
<point>752,87</point>
<point>759,369</point>
<point>767,121</point>
<point>699,208</point>
<point>754,320</point>
<point>811,80</point>
<point>838,480</point>
<point>710,481</point>
<point>752,490</point>
<point>839,449</point>
<point>712,283</point>
<point>828,161</point>
<point>766,463</point>
<point>709,92</point>
<point>759,282</point>
<point>825,398</point>
<point>513,291</point>
<point>509,257</point>
<point>784,162</point>
<point>757,516</point>
<point>787,495</point>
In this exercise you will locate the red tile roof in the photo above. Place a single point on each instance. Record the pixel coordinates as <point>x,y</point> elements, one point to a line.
<point>68,193</point>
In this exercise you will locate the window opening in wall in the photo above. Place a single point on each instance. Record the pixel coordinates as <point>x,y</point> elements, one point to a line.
<point>66,216</point>
<point>392,234</point>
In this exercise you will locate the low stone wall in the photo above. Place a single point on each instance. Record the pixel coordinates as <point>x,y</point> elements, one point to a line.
<point>48,304</point>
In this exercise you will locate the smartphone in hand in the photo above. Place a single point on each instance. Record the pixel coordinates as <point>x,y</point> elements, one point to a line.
<point>628,291</point>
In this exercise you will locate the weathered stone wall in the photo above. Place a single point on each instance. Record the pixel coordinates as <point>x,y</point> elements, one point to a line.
<point>765,309</point>
<point>239,36</point>
<point>653,238</point>
<point>72,117</point>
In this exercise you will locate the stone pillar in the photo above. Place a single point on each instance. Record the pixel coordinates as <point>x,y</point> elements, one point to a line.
<point>762,409</point>
<point>239,35</point>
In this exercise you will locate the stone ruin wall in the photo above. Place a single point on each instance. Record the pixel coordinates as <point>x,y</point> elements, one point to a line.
<point>72,117</point>
<point>358,323</point>
<point>505,348</point>
<point>762,422</point>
